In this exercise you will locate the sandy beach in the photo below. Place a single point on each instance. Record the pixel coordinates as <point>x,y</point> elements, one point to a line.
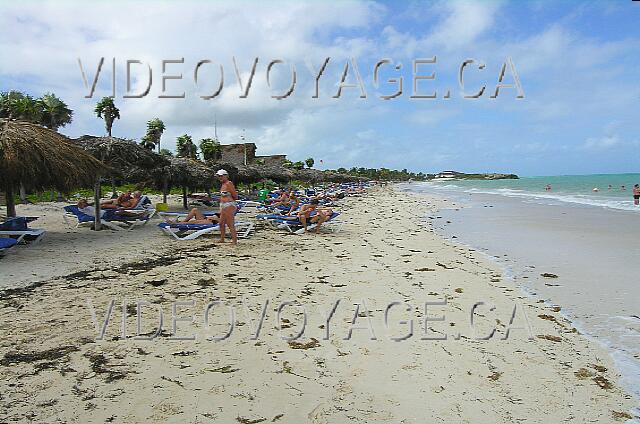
<point>55,368</point>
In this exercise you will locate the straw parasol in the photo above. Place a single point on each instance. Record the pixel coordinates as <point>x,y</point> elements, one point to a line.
<point>129,160</point>
<point>189,173</point>
<point>41,158</point>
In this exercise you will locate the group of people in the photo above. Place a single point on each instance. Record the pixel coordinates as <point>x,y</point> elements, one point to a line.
<point>636,191</point>
<point>121,205</point>
<point>309,212</point>
<point>225,218</point>
<point>314,209</point>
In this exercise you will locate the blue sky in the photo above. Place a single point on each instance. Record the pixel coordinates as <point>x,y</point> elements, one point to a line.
<point>577,62</point>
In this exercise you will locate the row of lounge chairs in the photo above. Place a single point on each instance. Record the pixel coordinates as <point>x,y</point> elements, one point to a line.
<point>16,230</point>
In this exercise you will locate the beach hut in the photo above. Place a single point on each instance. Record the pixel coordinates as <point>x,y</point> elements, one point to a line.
<point>188,174</point>
<point>40,158</point>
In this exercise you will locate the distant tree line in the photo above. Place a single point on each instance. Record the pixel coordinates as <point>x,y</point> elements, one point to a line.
<point>384,174</point>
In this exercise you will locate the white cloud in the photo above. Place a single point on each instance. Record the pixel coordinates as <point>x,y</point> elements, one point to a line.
<point>608,142</point>
<point>576,83</point>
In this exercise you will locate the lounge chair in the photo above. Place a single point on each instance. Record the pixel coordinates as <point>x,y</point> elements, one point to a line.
<point>17,228</point>
<point>186,231</point>
<point>111,219</point>
<point>144,204</point>
<point>172,216</point>
<point>293,224</point>
<point>6,244</point>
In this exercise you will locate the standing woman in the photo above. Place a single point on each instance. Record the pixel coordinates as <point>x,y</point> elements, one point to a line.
<point>228,197</point>
<point>636,194</point>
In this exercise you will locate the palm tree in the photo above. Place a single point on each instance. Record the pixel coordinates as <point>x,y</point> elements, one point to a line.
<point>309,162</point>
<point>55,113</point>
<point>107,109</point>
<point>17,105</point>
<point>155,128</point>
<point>185,147</point>
<point>210,149</point>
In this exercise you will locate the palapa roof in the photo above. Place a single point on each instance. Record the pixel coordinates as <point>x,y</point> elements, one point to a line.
<point>185,172</point>
<point>128,159</point>
<point>41,158</point>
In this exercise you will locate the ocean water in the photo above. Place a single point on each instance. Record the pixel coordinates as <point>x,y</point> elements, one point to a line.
<point>590,240</point>
<point>577,189</point>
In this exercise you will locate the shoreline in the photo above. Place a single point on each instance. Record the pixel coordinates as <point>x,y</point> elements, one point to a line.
<point>584,246</point>
<point>383,255</point>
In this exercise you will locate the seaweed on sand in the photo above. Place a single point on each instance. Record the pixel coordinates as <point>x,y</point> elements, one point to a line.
<point>550,338</point>
<point>48,358</point>
<point>583,373</point>
<point>243,420</point>
<point>99,366</point>
<point>603,382</point>
<point>309,345</point>
<point>224,370</point>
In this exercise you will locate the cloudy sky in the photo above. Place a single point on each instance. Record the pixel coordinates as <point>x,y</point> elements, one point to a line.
<point>577,62</point>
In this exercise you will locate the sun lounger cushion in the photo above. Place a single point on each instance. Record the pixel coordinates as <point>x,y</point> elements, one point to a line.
<point>6,243</point>
<point>18,223</point>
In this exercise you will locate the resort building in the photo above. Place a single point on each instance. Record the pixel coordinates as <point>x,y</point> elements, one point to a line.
<point>245,154</point>
<point>447,175</point>
<point>273,160</point>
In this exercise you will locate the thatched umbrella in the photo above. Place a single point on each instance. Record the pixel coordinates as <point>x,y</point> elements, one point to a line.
<point>40,158</point>
<point>129,160</point>
<point>189,173</point>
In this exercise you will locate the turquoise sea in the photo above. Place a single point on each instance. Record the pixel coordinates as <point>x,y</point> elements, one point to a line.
<point>577,189</point>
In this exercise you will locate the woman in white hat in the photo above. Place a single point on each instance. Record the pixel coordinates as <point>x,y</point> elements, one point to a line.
<point>228,197</point>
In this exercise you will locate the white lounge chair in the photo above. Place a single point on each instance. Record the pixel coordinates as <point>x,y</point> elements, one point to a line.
<point>186,231</point>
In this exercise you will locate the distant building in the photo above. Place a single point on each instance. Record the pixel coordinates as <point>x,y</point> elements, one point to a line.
<point>238,154</point>
<point>273,160</point>
<point>245,154</point>
<point>447,175</point>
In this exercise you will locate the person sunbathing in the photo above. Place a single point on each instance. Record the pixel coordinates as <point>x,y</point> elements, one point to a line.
<point>195,216</point>
<point>116,203</point>
<point>283,199</point>
<point>293,203</point>
<point>132,202</point>
<point>87,209</point>
<point>322,216</point>
<point>306,212</point>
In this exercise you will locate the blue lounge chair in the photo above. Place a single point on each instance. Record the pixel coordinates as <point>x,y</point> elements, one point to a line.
<point>186,231</point>
<point>6,244</point>
<point>18,228</point>
<point>293,224</point>
<point>111,219</point>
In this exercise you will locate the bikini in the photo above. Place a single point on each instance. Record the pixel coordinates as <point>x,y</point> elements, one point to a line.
<point>224,205</point>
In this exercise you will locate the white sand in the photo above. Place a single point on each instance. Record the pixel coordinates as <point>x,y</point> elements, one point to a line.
<point>382,255</point>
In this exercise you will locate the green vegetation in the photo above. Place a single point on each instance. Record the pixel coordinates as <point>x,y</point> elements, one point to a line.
<point>383,174</point>
<point>47,110</point>
<point>151,139</point>
<point>107,110</point>
<point>210,149</point>
<point>185,148</point>
<point>309,162</point>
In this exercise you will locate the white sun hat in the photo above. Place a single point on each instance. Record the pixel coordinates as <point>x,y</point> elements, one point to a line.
<point>222,172</point>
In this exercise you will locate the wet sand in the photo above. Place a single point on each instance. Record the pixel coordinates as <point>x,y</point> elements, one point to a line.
<point>53,368</point>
